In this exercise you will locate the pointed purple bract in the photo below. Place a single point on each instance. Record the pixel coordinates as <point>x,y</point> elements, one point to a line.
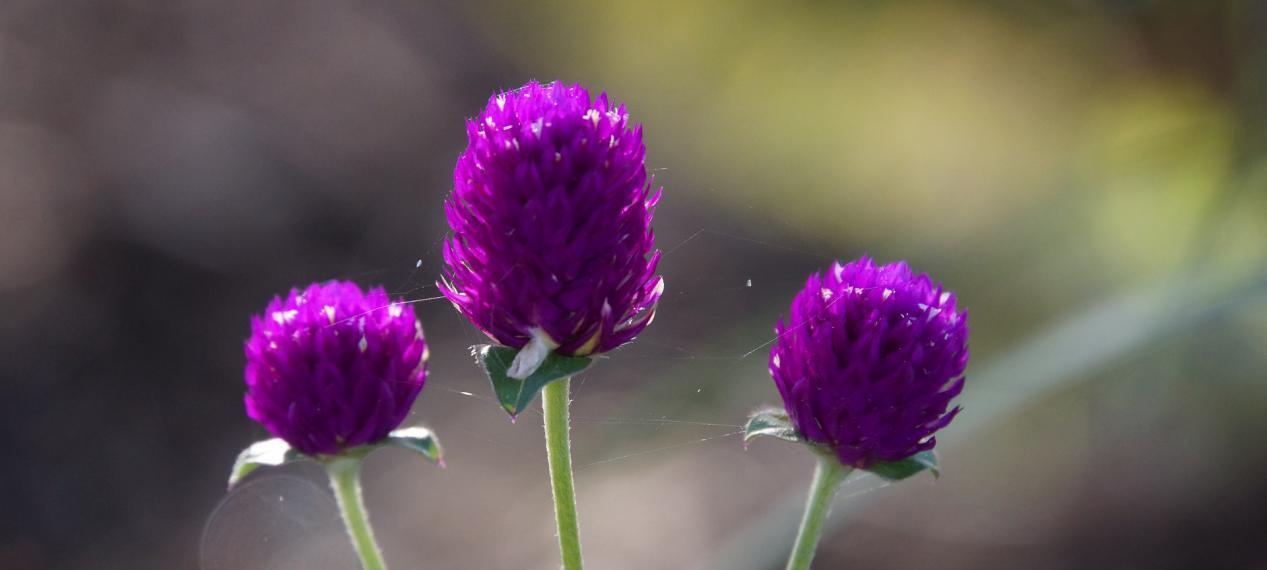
<point>869,359</point>
<point>330,367</point>
<point>551,222</point>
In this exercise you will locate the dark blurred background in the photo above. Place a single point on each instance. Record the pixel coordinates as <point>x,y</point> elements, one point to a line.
<point>1091,177</point>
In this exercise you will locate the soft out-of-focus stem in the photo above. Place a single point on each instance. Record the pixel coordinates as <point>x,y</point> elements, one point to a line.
<point>345,478</point>
<point>554,401</point>
<point>827,478</point>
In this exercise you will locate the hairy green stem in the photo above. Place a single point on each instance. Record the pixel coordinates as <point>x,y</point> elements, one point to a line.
<point>554,401</point>
<point>345,478</point>
<point>827,478</point>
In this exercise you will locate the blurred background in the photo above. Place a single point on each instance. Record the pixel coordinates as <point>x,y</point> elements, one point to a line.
<point>1090,176</point>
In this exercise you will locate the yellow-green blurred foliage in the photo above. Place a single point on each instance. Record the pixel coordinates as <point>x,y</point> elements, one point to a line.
<point>922,123</point>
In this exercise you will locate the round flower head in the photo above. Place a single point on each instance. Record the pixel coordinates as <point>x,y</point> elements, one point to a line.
<point>869,359</point>
<point>551,223</point>
<point>331,368</point>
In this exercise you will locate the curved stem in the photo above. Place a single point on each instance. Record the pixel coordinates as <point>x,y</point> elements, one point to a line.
<point>554,403</point>
<point>827,478</point>
<point>345,479</point>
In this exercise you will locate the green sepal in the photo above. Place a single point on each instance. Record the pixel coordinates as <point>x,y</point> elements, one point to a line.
<point>419,440</point>
<point>513,394</point>
<point>770,422</point>
<point>275,452</point>
<point>269,452</point>
<point>898,470</point>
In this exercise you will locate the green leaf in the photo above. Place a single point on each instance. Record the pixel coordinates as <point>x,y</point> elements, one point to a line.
<point>513,394</point>
<point>419,440</point>
<point>270,452</point>
<point>770,422</point>
<point>898,470</point>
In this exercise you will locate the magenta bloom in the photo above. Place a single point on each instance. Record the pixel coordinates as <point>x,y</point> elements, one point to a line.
<point>331,368</point>
<point>551,223</point>
<point>869,360</point>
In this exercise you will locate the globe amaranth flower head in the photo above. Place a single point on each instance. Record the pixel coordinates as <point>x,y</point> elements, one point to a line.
<point>869,359</point>
<point>551,242</point>
<point>331,368</point>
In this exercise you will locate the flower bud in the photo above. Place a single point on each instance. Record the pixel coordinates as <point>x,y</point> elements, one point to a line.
<point>331,368</point>
<point>551,244</point>
<point>868,360</point>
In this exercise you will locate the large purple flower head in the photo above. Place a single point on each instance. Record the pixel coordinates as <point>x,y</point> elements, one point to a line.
<point>551,223</point>
<point>869,359</point>
<point>331,368</point>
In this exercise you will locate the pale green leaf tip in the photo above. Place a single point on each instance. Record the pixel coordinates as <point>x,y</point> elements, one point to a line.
<point>269,452</point>
<point>929,460</point>
<point>769,422</point>
<point>420,440</point>
<point>240,472</point>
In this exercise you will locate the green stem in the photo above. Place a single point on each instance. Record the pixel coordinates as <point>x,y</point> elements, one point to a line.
<point>345,478</point>
<point>827,478</point>
<point>554,401</point>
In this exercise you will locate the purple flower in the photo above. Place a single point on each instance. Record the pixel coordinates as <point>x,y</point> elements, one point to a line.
<point>331,368</point>
<point>869,360</point>
<point>550,213</point>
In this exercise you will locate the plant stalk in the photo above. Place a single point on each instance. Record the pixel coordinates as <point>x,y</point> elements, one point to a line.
<point>554,403</point>
<point>828,476</point>
<point>345,479</point>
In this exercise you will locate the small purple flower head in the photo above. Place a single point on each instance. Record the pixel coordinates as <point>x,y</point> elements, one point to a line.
<point>551,223</point>
<point>869,360</point>
<point>330,367</point>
